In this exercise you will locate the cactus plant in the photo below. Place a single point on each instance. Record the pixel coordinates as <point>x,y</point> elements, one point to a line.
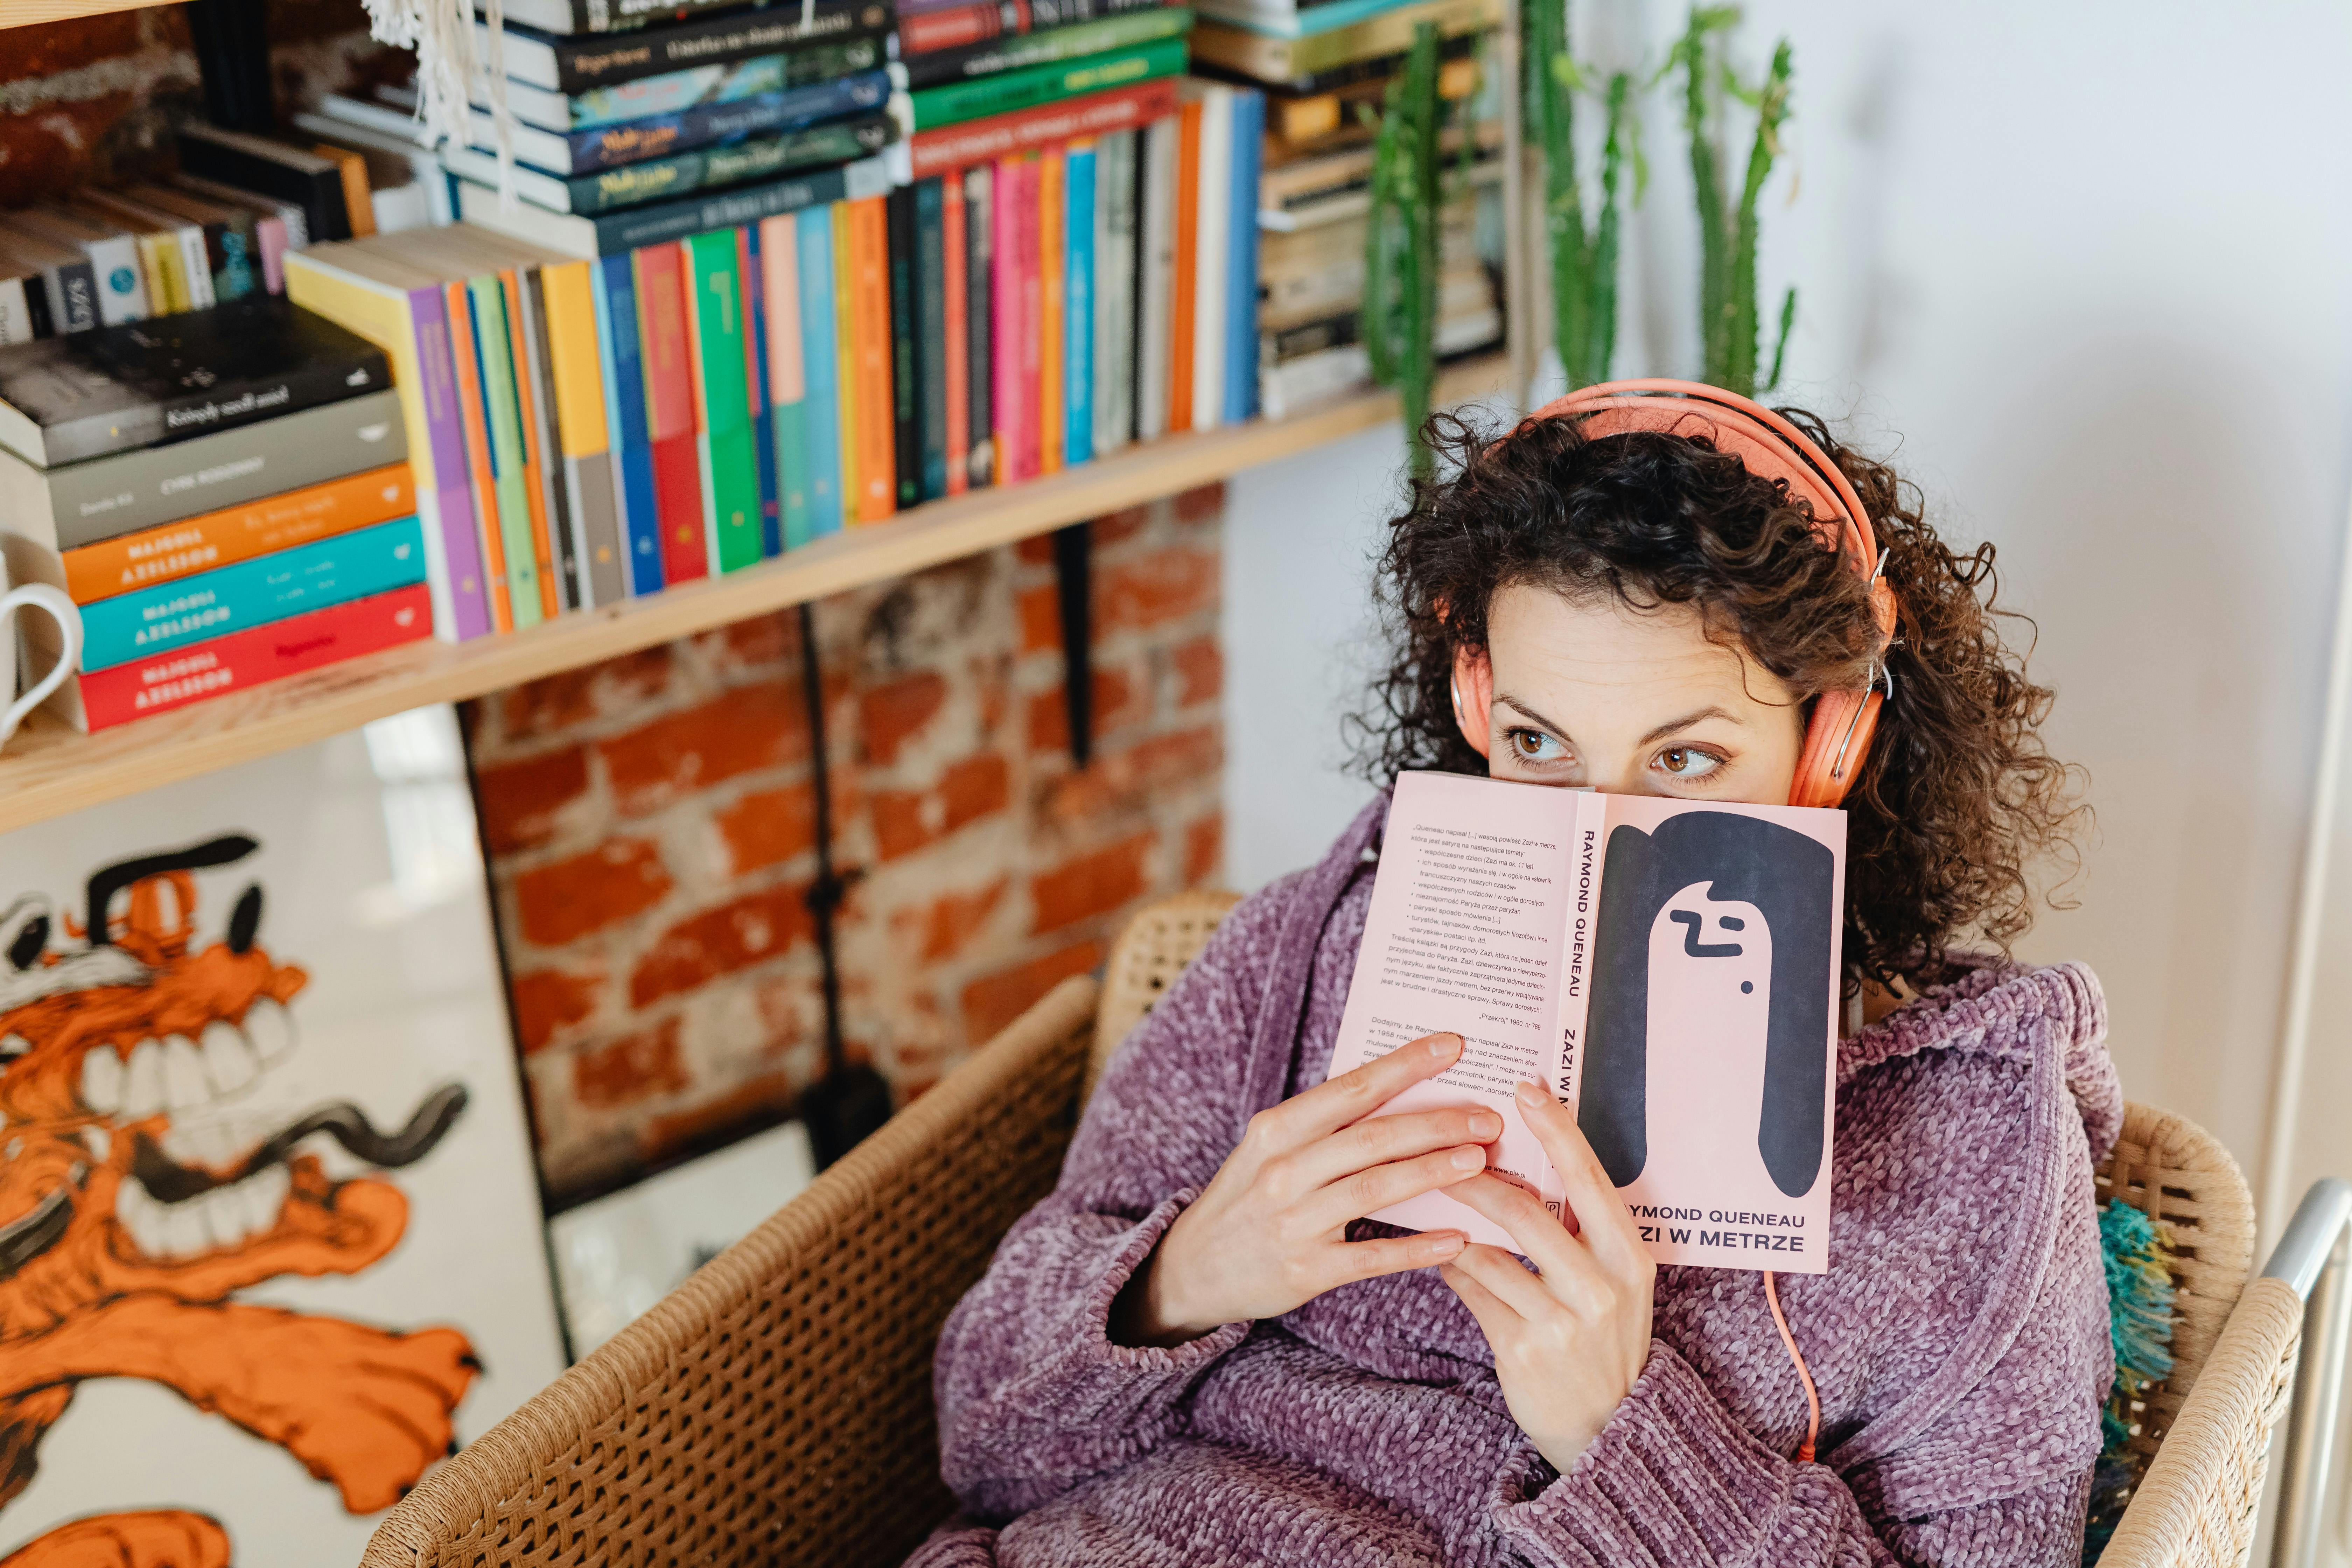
<point>1399,312</point>
<point>1729,321</point>
<point>1583,258</point>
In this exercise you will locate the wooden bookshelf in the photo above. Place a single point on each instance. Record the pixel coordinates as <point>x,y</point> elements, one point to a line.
<point>48,770</point>
<point>31,13</point>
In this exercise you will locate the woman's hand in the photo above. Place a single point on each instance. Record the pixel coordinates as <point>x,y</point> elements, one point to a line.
<point>1568,1344</point>
<point>1269,1233</point>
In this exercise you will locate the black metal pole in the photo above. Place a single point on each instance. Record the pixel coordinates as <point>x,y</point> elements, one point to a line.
<point>1073,588</point>
<point>232,48</point>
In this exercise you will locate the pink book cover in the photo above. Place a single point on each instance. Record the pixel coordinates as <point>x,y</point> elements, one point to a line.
<point>1669,968</point>
<point>1006,410</point>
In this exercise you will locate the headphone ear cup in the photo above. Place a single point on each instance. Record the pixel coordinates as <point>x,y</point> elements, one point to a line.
<point>1836,742</point>
<point>1474,697</point>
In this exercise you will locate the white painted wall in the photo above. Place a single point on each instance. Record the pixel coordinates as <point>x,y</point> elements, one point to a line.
<point>2087,269</point>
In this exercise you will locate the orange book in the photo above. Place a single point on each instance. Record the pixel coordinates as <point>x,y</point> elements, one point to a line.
<point>359,200</point>
<point>234,534</point>
<point>877,458</point>
<point>1052,209</point>
<point>1188,244</point>
<point>475,422</point>
<point>534,461</point>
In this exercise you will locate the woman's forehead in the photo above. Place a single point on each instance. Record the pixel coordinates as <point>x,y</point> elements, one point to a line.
<point>1585,655</point>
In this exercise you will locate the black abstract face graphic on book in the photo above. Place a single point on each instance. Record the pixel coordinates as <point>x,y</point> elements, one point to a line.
<point>1786,878</point>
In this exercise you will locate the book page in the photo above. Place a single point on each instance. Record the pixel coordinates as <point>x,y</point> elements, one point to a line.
<point>1466,933</point>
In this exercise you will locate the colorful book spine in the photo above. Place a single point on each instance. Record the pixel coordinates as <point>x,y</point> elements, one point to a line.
<point>164,681</point>
<point>708,125</point>
<point>481,470</point>
<point>1051,215</point>
<point>1115,263</point>
<point>224,538</point>
<point>1182,336</point>
<point>231,599</point>
<point>1078,313</point>
<point>723,435</point>
<point>1002,135</point>
<point>1015,90</point>
<point>906,369</point>
<point>955,331</point>
<point>679,91</point>
<point>877,413</point>
<point>1029,324</point>
<point>980,279</point>
<point>546,530</point>
<point>1241,286</point>
<point>1007,315</point>
<point>847,348</point>
<point>624,418</point>
<point>999,57</point>
<point>962,23</point>
<point>821,363</point>
<point>1210,264</point>
<point>1155,276</point>
<point>669,413</point>
<point>583,430</point>
<point>659,222</point>
<point>755,385</point>
<point>930,343</point>
<point>495,361</point>
<point>545,445</point>
<point>779,317</point>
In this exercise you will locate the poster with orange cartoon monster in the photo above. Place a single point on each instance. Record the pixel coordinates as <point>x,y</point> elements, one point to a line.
<point>269,1234</point>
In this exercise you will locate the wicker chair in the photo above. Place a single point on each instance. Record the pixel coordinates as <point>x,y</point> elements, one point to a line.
<point>776,1408</point>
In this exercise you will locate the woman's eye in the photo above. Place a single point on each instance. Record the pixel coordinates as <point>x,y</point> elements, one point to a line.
<point>1686,763</point>
<point>1535,746</point>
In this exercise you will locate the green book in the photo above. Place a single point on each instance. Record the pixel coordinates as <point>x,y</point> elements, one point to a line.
<point>725,440</point>
<point>1069,41</point>
<point>1015,90</point>
<point>491,344</point>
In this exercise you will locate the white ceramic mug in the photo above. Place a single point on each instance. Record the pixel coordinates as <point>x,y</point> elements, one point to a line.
<point>53,602</point>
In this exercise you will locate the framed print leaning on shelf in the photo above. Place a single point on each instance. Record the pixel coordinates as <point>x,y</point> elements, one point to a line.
<point>269,1232</point>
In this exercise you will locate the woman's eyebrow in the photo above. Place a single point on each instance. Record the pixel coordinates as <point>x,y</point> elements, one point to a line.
<point>1530,715</point>
<point>1662,730</point>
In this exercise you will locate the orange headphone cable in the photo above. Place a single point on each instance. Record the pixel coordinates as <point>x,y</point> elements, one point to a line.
<point>1812,1400</point>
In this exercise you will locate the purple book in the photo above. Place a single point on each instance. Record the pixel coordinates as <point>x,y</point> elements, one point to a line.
<point>469,610</point>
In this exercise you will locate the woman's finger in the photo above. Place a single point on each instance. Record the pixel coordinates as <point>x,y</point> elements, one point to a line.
<point>1352,1197</point>
<point>1384,1140</point>
<point>1607,1225</point>
<point>1566,1263</point>
<point>1495,1319</point>
<point>1354,1095</point>
<point>1354,1260</point>
<point>1507,1279</point>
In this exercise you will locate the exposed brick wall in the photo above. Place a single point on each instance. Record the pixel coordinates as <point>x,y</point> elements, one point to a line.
<point>650,824</point>
<point>91,100</point>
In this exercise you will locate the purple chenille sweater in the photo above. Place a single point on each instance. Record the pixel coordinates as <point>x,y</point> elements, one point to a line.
<point>1959,1338</point>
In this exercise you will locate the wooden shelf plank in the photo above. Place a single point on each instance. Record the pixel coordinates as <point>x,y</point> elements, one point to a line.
<point>32,13</point>
<point>48,770</point>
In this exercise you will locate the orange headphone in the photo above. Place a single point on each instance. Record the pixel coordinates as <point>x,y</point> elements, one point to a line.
<point>1838,737</point>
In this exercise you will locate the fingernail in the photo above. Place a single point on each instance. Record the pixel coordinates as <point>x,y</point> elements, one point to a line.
<point>1470,1159</point>
<point>1529,1095</point>
<point>1444,1048</point>
<point>1484,1124</point>
<point>1446,1244</point>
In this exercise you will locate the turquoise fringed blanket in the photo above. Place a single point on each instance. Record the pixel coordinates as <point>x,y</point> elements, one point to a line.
<point>2139,1318</point>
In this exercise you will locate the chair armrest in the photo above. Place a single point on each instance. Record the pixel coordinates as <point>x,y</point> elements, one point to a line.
<point>777,1406</point>
<point>2196,1507</point>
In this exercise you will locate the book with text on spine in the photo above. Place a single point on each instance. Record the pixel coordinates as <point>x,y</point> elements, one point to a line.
<point>1668,968</point>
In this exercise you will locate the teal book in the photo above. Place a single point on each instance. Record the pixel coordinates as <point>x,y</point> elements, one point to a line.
<point>821,365</point>
<point>495,359</point>
<point>725,440</point>
<point>235,598</point>
<point>1079,310</point>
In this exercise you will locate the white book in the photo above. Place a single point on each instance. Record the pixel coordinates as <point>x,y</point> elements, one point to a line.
<point>168,231</point>
<point>113,257</point>
<point>980,317</point>
<point>1156,278</point>
<point>1210,265</point>
<point>1285,388</point>
<point>15,316</point>
<point>1114,291</point>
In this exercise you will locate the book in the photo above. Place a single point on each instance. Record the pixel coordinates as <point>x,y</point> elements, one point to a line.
<point>223,538</point>
<point>407,187</point>
<point>1240,347</point>
<point>1012,91</point>
<point>306,180</point>
<point>929,355</point>
<point>358,197</point>
<point>728,463</point>
<point>669,412</point>
<point>403,310</point>
<point>614,282</point>
<point>668,178</point>
<point>107,497</point>
<point>550,537</point>
<point>1212,264</point>
<point>277,226</point>
<point>606,16</point>
<point>1184,291</point>
<point>247,659</point>
<point>1078,170</point>
<point>171,248</point>
<point>962,23</point>
<point>750,266</point>
<point>112,257</point>
<point>1013,320</point>
<point>567,154</point>
<point>1668,969</point>
<point>1053,214</point>
<point>907,397</point>
<point>980,282</point>
<point>1115,293</point>
<point>979,141</point>
<point>583,438</point>
<point>996,56</point>
<point>481,473</point>
<point>230,599</point>
<point>1156,275</point>
<point>69,283</point>
<point>875,390</point>
<point>232,252</point>
<point>786,374</point>
<point>677,92</point>
<point>955,332</point>
<point>1288,19</point>
<point>1273,58</point>
<point>575,65</point>
<point>847,350</point>
<point>635,227</point>
<point>822,399</point>
<point>19,312</point>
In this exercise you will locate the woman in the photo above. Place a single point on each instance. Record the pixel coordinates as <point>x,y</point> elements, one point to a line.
<point>1198,1351</point>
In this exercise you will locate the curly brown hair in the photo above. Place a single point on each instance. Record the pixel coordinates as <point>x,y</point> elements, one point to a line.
<point>1957,797</point>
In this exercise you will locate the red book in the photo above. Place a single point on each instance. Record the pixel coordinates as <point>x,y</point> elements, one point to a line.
<point>264,654</point>
<point>1188,244</point>
<point>1002,135</point>
<point>1005,329</point>
<point>921,32</point>
<point>953,284</point>
<point>669,412</point>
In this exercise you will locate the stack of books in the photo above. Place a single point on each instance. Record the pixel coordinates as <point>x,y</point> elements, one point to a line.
<point>225,492</point>
<point>1325,67</point>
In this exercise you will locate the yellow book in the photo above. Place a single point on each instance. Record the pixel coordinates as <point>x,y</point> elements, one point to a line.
<point>845,347</point>
<point>1050,305</point>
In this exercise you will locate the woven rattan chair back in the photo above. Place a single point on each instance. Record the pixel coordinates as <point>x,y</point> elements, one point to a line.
<point>1159,942</point>
<point>2207,1427</point>
<point>776,1408</point>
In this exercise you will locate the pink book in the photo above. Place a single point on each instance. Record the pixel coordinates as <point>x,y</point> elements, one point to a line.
<point>1667,968</point>
<point>1017,351</point>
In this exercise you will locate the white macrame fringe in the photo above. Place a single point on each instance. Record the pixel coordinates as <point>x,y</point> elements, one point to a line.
<point>442,33</point>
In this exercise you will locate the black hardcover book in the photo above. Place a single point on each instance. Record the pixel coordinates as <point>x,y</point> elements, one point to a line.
<point>931,347</point>
<point>980,324</point>
<point>273,169</point>
<point>570,65</point>
<point>610,15</point>
<point>37,305</point>
<point>66,399</point>
<point>905,387</point>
